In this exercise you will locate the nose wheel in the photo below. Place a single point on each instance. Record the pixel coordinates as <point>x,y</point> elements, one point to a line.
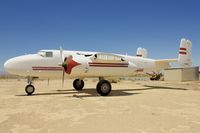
<point>29,89</point>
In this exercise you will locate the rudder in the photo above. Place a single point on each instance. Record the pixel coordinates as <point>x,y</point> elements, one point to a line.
<point>185,53</point>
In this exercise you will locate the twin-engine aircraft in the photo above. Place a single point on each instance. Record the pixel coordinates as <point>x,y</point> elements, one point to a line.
<point>51,64</point>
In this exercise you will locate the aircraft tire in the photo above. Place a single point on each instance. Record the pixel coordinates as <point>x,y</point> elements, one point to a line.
<point>29,89</point>
<point>104,87</point>
<point>78,84</point>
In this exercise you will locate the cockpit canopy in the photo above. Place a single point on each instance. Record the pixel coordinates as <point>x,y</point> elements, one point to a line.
<point>45,53</point>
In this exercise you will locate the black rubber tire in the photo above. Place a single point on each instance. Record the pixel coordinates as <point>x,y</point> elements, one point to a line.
<point>78,86</point>
<point>29,89</point>
<point>104,87</point>
<point>98,86</point>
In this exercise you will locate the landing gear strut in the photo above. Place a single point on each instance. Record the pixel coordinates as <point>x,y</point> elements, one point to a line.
<point>104,87</point>
<point>78,84</point>
<point>29,89</point>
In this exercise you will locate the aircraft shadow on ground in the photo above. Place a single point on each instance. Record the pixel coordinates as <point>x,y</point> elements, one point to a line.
<point>91,92</point>
<point>164,88</point>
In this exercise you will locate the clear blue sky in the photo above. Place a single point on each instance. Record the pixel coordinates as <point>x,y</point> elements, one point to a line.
<point>118,26</point>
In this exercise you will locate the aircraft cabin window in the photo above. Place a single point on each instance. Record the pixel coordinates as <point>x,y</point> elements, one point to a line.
<point>49,54</point>
<point>45,53</point>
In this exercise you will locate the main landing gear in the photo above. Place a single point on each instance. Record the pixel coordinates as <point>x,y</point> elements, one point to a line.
<point>78,84</point>
<point>103,87</point>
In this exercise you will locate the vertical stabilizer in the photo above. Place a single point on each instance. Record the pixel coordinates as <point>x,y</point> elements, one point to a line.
<point>142,52</point>
<point>185,53</point>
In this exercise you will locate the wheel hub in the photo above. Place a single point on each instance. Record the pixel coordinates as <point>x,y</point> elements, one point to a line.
<point>30,89</point>
<point>78,83</point>
<point>105,88</point>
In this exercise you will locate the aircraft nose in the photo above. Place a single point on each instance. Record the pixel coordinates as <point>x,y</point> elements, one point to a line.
<point>9,65</point>
<point>20,65</point>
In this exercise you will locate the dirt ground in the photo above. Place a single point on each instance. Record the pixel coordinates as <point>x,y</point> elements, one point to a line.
<point>132,107</point>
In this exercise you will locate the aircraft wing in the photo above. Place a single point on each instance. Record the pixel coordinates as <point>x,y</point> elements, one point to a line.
<point>165,63</point>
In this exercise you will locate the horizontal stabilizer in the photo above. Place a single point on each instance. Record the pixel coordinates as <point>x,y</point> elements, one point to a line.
<point>163,64</point>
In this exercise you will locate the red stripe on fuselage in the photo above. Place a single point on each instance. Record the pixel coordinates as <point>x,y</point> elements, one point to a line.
<point>108,66</point>
<point>99,63</point>
<point>183,49</point>
<point>48,68</point>
<point>183,53</point>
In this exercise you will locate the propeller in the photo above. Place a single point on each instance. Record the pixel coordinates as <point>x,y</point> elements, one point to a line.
<point>63,65</point>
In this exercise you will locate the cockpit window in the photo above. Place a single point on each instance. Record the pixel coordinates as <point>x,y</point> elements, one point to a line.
<point>49,54</point>
<point>45,53</point>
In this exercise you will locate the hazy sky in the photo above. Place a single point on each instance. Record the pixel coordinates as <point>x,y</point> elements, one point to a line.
<point>118,26</point>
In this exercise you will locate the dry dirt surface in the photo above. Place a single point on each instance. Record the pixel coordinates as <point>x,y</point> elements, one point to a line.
<point>132,107</point>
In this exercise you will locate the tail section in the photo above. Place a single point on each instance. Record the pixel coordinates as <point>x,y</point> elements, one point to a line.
<point>142,52</point>
<point>185,53</point>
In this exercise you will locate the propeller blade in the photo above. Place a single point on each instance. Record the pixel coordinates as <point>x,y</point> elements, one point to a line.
<point>62,62</point>
<point>61,54</point>
<point>63,77</point>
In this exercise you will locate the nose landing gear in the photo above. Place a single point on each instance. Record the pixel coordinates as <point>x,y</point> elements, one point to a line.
<point>30,89</point>
<point>103,87</point>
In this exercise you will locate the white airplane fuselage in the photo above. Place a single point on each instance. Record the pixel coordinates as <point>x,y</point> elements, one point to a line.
<point>54,64</point>
<point>37,65</point>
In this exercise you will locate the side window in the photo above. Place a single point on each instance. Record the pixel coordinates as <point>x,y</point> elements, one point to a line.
<point>49,54</point>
